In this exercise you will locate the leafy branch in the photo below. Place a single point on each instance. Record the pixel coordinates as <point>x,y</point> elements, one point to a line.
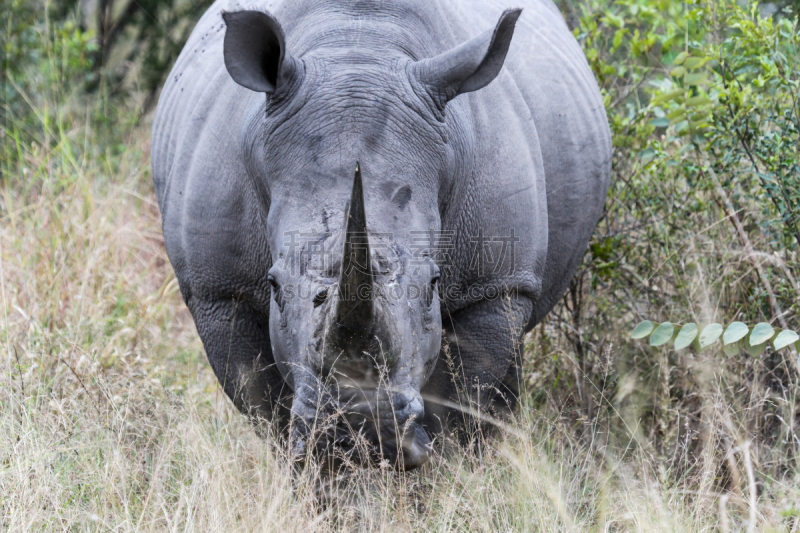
<point>735,337</point>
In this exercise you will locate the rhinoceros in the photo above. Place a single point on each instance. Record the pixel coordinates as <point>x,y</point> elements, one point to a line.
<point>367,203</point>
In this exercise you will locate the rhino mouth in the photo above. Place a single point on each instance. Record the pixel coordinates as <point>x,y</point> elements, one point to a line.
<point>369,427</point>
<point>408,450</point>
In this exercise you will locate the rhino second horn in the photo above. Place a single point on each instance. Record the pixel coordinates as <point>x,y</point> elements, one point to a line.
<point>354,304</point>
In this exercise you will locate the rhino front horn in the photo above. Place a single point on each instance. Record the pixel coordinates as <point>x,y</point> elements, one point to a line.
<point>354,304</point>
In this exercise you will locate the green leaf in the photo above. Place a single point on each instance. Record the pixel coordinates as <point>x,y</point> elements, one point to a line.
<point>755,351</point>
<point>678,114</point>
<point>698,101</point>
<point>686,336</point>
<point>678,72</point>
<point>735,332</point>
<point>695,78</point>
<point>785,338</point>
<point>618,36</point>
<point>666,97</point>
<point>731,349</point>
<point>761,334</point>
<point>694,62</point>
<point>696,124</point>
<point>648,153</point>
<point>642,330</point>
<point>662,334</point>
<point>661,122</point>
<point>680,58</point>
<point>710,334</point>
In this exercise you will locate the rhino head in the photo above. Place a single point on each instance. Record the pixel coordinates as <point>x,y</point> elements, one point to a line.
<point>354,160</point>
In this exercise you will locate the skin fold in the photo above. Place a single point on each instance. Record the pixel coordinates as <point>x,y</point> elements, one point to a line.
<point>368,203</point>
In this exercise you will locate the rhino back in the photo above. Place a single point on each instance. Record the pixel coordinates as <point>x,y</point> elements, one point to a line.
<point>550,71</point>
<point>212,222</point>
<point>546,81</point>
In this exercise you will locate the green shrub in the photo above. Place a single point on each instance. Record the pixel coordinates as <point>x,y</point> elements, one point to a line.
<point>701,223</point>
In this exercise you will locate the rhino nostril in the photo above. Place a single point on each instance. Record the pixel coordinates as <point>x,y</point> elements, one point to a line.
<point>320,297</point>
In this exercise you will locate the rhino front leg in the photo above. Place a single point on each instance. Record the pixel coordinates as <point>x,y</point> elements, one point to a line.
<point>236,339</point>
<point>478,367</point>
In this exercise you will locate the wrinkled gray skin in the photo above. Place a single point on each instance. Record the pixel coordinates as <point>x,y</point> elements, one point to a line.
<point>461,131</point>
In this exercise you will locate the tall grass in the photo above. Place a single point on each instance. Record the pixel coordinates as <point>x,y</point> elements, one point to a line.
<point>111,419</point>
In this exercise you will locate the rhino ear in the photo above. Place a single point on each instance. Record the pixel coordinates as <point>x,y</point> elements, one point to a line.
<point>255,51</point>
<point>469,66</point>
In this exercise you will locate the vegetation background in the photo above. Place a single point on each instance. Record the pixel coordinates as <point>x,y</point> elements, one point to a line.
<point>110,418</point>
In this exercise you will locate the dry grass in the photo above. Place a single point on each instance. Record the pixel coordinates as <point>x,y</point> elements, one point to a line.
<point>111,419</point>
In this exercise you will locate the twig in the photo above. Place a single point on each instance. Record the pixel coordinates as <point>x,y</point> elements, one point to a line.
<point>19,369</point>
<point>88,394</point>
<point>751,482</point>
<point>5,307</point>
<point>483,417</point>
<point>724,524</point>
<point>748,248</point>
<point>751,256</point>
<point>742,138</point>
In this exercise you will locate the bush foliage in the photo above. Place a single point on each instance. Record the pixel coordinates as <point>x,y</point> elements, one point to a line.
<point>701,226</point>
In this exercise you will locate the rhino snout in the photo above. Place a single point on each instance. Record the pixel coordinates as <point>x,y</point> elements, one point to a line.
<point>364,425</point>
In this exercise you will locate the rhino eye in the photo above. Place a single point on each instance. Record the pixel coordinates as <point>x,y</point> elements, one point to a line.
<point>437,274</point>
<point>320,297</point>
<point>432,287</point>
<point>276,291</point>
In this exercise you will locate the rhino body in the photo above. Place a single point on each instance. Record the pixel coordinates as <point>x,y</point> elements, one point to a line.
<point>478,190</point>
